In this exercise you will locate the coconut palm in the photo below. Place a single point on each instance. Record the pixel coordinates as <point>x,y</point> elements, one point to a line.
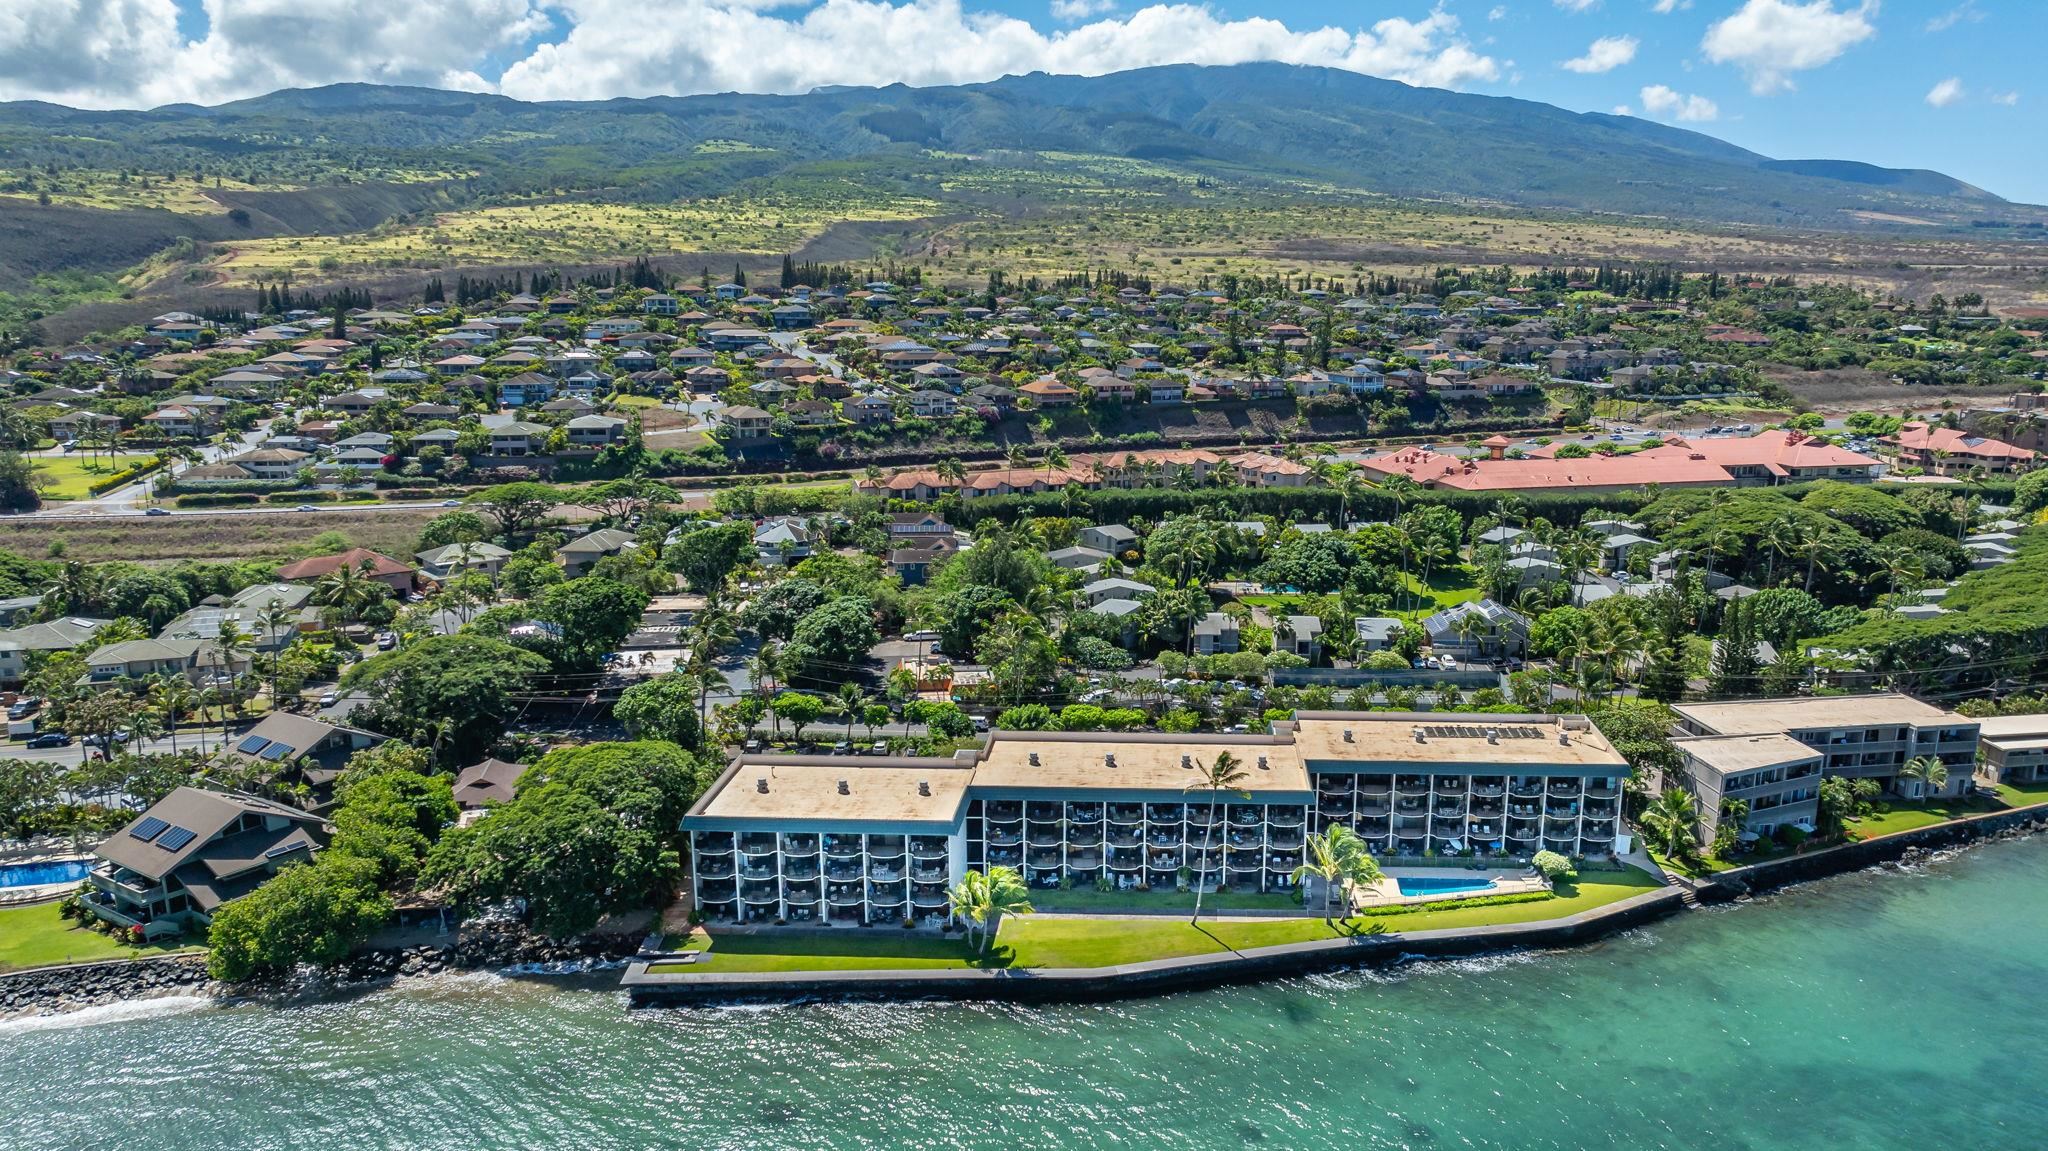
<point>274,619</point>
<point>1929,772</point>
<point>171,696</point>
<point>968,902</point>
<point>1337,857</point>
<point>1672,823</point>
<point>348,590</point>
<point>1223,774</point>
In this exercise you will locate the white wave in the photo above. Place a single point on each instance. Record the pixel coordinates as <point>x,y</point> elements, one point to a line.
<point>125,1011</point>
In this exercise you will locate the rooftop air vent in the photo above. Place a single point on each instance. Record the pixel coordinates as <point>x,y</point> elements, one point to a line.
<point>1493,735</point>
<point>1034,759</point>
<point>1420,737</point>
<point>1564,738</point>
<point>1187,761</point>
<point>843,788</point>
<point>1347,735</point>
<point>1109,759</point>
<point>1262,763</point>
<point>924,787</point>
<point>761,785</point>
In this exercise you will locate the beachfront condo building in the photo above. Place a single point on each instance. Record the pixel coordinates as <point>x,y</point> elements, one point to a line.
<point>1858,736</point>
<point>854,840</point>
<point>2015,749</point>
<point>1774,775</point>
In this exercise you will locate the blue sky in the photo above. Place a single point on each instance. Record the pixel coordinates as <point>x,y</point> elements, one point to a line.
<point>1944,84</point>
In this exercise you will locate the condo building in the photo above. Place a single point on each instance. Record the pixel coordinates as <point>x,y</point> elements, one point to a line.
<point>1858,736</point>
<point>1775,775</point>
<point>855,840</point>
<point>2015,748</point>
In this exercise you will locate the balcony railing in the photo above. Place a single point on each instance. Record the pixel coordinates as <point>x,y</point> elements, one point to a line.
<point>758,844</point>
<point>1285,816</point>
<point>800,845</point>
<point>714,868</point>
<point>929,847</point>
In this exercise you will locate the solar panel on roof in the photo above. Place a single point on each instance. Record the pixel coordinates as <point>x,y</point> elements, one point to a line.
<point>175,838</point>
<point>252,745</point>
<point>148,829</point>
<point>277,751</point>
<point>282,849</point>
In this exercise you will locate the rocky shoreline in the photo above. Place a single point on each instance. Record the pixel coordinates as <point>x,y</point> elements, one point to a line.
<point>491,946</point>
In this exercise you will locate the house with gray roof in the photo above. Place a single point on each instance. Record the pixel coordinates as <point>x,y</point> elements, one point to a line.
<point>172,866</point>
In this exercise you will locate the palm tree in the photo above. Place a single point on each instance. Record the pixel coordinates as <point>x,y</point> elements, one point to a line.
<point>274,618</point>
<point>171,696</point>
<point>1431,551</point>
<point>1223,774</point>
<point>1007,895</point>
<point>951,469</point>
<point>348,590</point>
<point>1672,822</point>
<point>1053,458</point>
<point>1337,856</point>
<point>968,902</point>
<point>1780,538</point>
<point>852,699</point>
<point>1899,567</point>
<point>232,645</point>
<point>1929,772</point>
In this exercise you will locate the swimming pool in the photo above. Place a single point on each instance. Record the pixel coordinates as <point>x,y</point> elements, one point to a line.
<point>1440,885</point>
<point>38,874</point>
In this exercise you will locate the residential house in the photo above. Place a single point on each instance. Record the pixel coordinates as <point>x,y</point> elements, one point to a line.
<point>1112,539</point>
<point>1216,633</point>
<point>199,661</point>
<point>1948,451</point>
<point>577,556</point>
<point>595,431</point>
<point>1113,588</point>
<point>1300,634</point>
<point>1478,630</point>
<point>18,644</point>
<point>172,867</point>
<point>1376,633</point>
<point>1776,778</point>
<point>450,560</point>
<point>745,423</point>
<point>374,566</point>
<point>519,438</point>
<point>482,784</point>
<point>782,541</point>
<point>932,405</point>
<point>1077,558</point>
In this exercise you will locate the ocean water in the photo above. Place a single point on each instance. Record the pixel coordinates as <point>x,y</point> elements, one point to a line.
<point>1893,1009</point>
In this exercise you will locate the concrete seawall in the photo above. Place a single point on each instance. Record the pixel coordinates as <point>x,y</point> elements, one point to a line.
<point>1157,977</point>
<point>1847,857</point>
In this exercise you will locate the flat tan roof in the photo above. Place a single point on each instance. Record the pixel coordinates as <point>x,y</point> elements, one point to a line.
<point>1761,715</point>
<point>800,789</point>
<point>2006,729</point>
<point>1454,740</point>
<point>1132,762</point>
<point>1732,754</point>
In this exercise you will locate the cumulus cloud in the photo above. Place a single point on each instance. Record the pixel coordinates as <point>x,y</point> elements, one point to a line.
<point>129,53</point>
<point>1576,6</point>
<point>708,46</point>
<point>1667,7</point>
<point>1604,55</point>
<point>1497,12</point>
<point>1771,39</point>
<point>1949,91</point>
<point>1665,104</point>
<point>2008,99</point>
<point>1073,10</point>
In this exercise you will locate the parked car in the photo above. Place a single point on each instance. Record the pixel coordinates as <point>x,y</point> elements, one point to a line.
<point>879,747</point>
<point>50,739</point>
<point>329,698</point>
<point>386,640</point>
<point>843,747</point>
<point>751,745</point>
<point>157,512</point>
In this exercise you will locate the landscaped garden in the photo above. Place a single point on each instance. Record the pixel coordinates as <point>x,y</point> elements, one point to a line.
<point>72,477</point>
<point>37,936</point>
<point>1062,940</point>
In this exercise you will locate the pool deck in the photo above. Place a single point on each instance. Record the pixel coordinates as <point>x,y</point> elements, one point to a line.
<point>42,892</point>
<point>1387,891</point>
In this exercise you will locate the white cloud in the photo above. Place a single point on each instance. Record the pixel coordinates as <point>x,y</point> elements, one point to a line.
<point>129,53</point>
<point>1497,12</point>
<point>2008,99</point>
<point>1604,55</point>
<point>1770,39</point>
<point>1667,7</point>
<point>1666,104</point>
<point>1947,92</point>
<point>612,49</point>
<point>1967,11</point>
<point>1623,110</point>
<point>1075,10</point>
<point>1577,6</point>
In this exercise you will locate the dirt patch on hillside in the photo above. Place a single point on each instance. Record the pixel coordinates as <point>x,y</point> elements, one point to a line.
<point>267,535</point>
<point>1860,389</point>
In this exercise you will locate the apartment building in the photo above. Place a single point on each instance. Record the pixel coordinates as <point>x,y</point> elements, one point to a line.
<point>1860,736</point>
<point>2015,748</point>
<point>849,840</point>
<point>1775,775</point>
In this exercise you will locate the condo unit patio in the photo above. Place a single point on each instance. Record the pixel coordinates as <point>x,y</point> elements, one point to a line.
<point>842,840</point>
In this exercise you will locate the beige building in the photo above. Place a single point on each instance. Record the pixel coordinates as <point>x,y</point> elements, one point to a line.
<point>849,840</point>
<point>1775,776</point>
<point>2015,748</point>
<point>1859,736</point>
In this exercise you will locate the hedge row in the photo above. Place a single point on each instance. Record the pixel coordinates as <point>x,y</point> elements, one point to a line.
<point>120,479</point>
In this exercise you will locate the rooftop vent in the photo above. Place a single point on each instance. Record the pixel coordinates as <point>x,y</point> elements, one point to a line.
<point>1493,735</point>
<point>1187,761</point>
<point>843,788</point>
<point>1262,763</point>
<point>924,787</point>
<point>1347,735</point>
<point>1109,759</point>
<point>1420,737</point>
<point>1564,738</point>
<point>761,785</point>
<point>1034,759</point>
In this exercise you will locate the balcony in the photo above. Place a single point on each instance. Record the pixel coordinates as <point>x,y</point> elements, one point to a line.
<point>801,870</point>
<point>1084,860</point>
<point>1483,831</point>
<point>1492,789</point>
<point>1083,814</point>
<point>1571,790</point>
<point>1165,813</point>
<point>928,873</point>
<point>1244,816</point>
<point>928,896</point>
<point>1245,860</point>
<point>1488,810</point>
<point>1044,837</point>
<point>1416,832</point>
<point>713,842</point>
<point>1334,809</point>
<point>1522,832</point>
<point>1561,810</point>
<point>1126,861</point>
<point>885,847</point>
<point>1416,786</point>
<point>1007,837</point>
<point>842,846</point>
<point>1086,837</point>
<point>1451,784</point>
<point>1044,812</point>
<point>716,891</point>
<point>1126,814</point>
<point>1044,857</point>
<point>1602,789</point>
<point>844,896</point>
<point>1163,860</point>
<point>843,871</point>
<point>1448,811</point>
<point>1601,811</point>
<point>883,899</point>
<point>1125,837</point>
<point>929,847</point>
<point>1370,807</point>
<point>797,902</point>
<point>1526,789</point>
<point>886,873</point>
<point>1368,828</point>
<point>757,843</point>
<point>1376,787</point>
<point>1162,838</point>
<point>760,893</point>
<point>759,869</point>
<point>1007,812</point>
<point>793,844</point>
<point>1006,857</point>
<point>714,868</point>
<point>1244,839</point>
<point>1286,815</point>
<point>1562,846</point>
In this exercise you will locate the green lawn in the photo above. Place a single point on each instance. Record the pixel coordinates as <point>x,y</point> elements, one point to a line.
<point>1092,901</point>
<point>1040,941</point>
<point>1904,816</point>
<point>36,936</point>
<point>72,476</point>
<point>1446,588</point>
<point>2023,795</point>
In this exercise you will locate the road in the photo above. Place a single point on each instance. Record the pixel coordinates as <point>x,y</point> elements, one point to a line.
<point>76,753</point>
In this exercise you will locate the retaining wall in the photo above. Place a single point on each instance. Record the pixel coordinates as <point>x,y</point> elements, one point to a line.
<point>1157,977</point>
<point>1726,885</point>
